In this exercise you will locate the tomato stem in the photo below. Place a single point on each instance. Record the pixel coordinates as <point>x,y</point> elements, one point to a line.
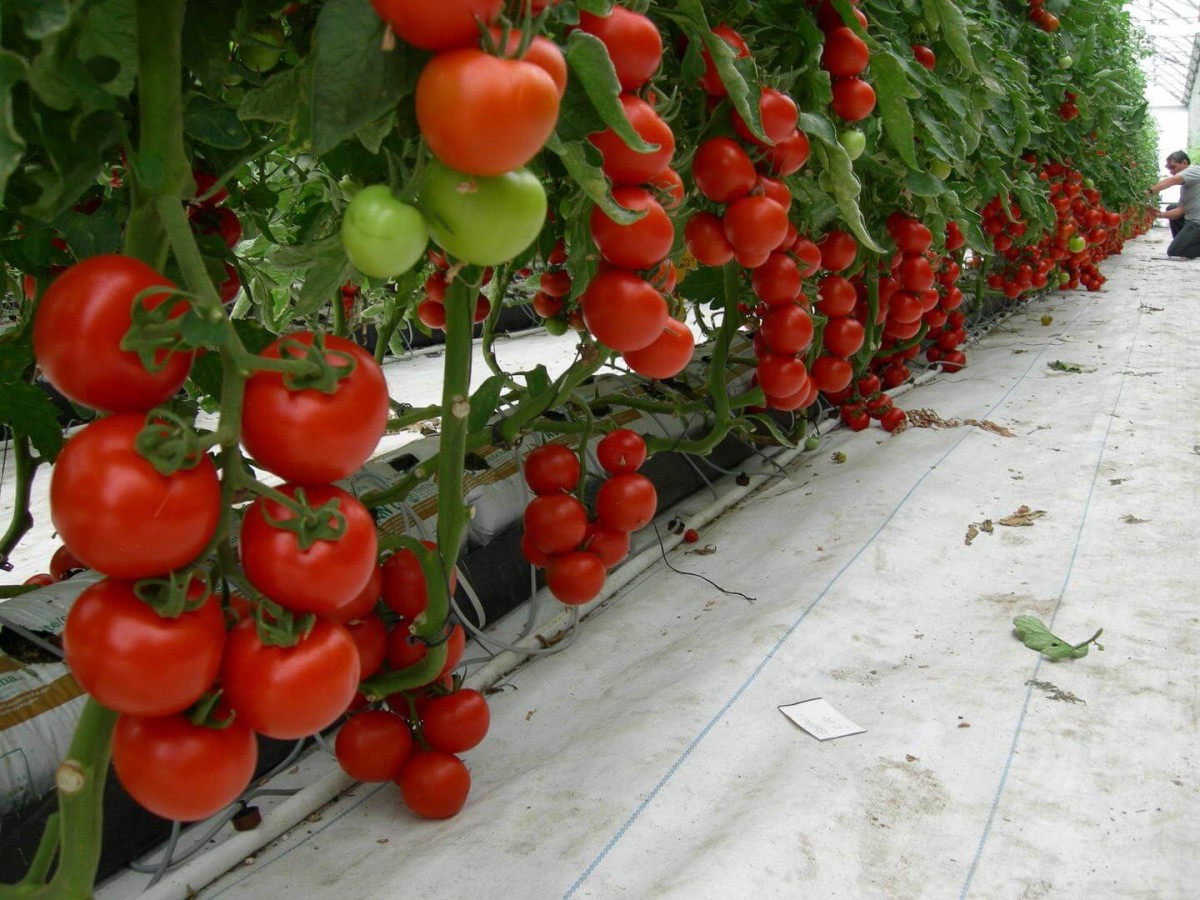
<point>21,521</point>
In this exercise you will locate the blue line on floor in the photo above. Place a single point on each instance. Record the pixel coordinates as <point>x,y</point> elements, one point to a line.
<point>695,742</point>
<point>1012,750</point>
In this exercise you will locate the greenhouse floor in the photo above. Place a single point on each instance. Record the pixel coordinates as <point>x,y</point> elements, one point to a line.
<point>651,759</point>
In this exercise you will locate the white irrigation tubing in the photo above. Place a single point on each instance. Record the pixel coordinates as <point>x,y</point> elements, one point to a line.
<point>210,865</point>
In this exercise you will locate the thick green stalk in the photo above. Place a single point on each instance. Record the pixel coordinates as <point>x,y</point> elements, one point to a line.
<point>21,520</point>
<point>160,114</point>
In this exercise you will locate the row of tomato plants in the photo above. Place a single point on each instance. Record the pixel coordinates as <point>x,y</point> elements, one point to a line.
<point>816,181</point>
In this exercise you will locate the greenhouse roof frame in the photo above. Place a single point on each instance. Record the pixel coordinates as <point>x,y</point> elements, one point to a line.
<point>1172,28</point>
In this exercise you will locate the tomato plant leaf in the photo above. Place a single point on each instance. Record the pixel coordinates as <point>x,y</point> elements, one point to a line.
<point>29,412</point>
<point>703,284</point>
<point>90,235</point>
<point>537,380</point>
<point>593,69</point>
<point>214,124</point>
<point>77,149</point>
<point>12,71</point>
<point>776,431</point>
<point>1036,636</point>
<point>324,280</point>
<point>894,90</point>
<point>846,189</point>
<point>354,79</point>
<point>954,29</point>
<point>484,402</point>
<point>923,184</point>
<point>109,36</point>
<point>207,30</point>
<point>818,125</point>
<point>591,179</point>
<point>42,18</point>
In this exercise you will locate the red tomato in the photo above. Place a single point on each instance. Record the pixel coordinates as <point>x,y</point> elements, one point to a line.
<point>77,335</point>
<point>904,307</point>
<point>838,249</point>
<point>634,44</point>
<point>621,451</point>
<point>755,224</point>
<point>704,236</point>
<point>431,313</point>
<point>808,253</point>
<point>134,661</point>
<point>836,296</point>
<point>373,745</point>
<point>404,587</point>
<point>611,545</point>
<point>722,170</point>
<point>831,373</point>
<point>668,188</point>
<point>118,514</point>
<point>456,722</point>
<point>853,99</point>
<point>542,52</point>
<point>777,281</point>
<point>290,692</point>
<point>437,26</point>
<point>363,604</point>
<point>845,54</point>
<point>42,579</point>
<point>640,244</point>
<point>484,115</point>
<point>64,564</point>
<point>711,80</point>
<point>182,771</point>
<point>910,235</point>
<point>555,523</point>
<point>324,575</point>
<point>915,273</point>
<point>787,330</point>
<point>924,56</point>
<point>893,419</point>
<point>780,375</point>
<point>789,155</point>
<point>623,310</point>
<point>370,637</point>
<point>307,435</point>
<point>556,283</point>
<point>434,784</point>
<point>626,502</point>
<point>843,336</point>
<point>546,305</point>
<point>667,355</point>
<point>778,114</point>
<point>577,577</point>
<point>624,166</point>
<point>552,469</point>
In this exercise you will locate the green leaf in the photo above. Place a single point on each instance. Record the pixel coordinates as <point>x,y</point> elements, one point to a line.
<point>776,432</point>
<point>322,282</point>
<point>846,189</point>
<point>591,179</point>
<point>110,34</point>
<point>208,28</point>
<point>703,284</point>
<point>954,30</point>
<point>484,402</point>
<point>42,18</point>
<point>818,125</point>
<point>207,372</point>
<point>355,80</point>
<point>538,380</point>
<point>893,90</point>
<point>590,65</point>
<point>12,71</point>
<point>30,413</point>
<point>214,124</point>
<point>1036,636</point>
<point>923,184</point>
<point>90,235</point>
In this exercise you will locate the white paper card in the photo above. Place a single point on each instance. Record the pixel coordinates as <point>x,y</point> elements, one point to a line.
<point>820,719</point>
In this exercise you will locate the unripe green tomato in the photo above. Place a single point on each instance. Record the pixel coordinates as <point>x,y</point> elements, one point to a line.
<point>1076,244</point>
<point>479,219</point>
<point>1065,61</point>
<point>853,141</point>
<point>812,442</point>
<point>939,168</point>
<point>1063,277</point>
<point>382,236</point>
<point>1089,184</point>
<point>259,58</point>
<point>555,327</point>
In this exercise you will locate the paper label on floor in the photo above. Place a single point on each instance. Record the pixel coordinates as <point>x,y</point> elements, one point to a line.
<point>820,719</point>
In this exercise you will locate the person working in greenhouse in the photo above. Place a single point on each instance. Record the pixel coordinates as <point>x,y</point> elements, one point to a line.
<point>1184,216</point>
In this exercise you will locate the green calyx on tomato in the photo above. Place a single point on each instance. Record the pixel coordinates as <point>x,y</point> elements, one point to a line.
<point>382,236</point>
<point>853,141</point>
<point>483,220</point>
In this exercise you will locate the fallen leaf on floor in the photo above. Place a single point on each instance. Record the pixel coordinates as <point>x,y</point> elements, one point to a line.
<point>972,533</point>
<point>1059,366</point>
<point>964,724</point>
<point>706,550</point>
<point>838,457</point>
<point>1023,516</point>
<point>908,757</point>
<point>1036,636</point>
<point>1130,519</point>
<point>529,715</point>
<point>927,418</point>
<point>1055,692</point>
<point>1117,480</point>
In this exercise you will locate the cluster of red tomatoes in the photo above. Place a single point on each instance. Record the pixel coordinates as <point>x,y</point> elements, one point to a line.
<point>432,308</point>
<point>845,57</point>
<point>865,400</point>
<point>1042,17</point>
<point>1067,110</point>
<point>623,306</point>
<point>576,552</point>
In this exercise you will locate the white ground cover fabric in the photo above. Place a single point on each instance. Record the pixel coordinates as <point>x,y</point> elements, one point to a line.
<point>650,759</point>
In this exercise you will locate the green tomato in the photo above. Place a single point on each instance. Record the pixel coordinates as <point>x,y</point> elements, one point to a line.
<point>1063,277</point>
<point>555,327</point>
<point>1065,61</point>
<point>853,141</point>
<point>1076,244</point>
<point>812,442</point>
<point>263,48</point>
<point>382,236</point>
<point>1089,184</point>
<point>939,168</point>
<point>483,220</point>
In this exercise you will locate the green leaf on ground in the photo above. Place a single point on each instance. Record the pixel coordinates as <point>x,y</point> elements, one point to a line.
<point>1036,636</point>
